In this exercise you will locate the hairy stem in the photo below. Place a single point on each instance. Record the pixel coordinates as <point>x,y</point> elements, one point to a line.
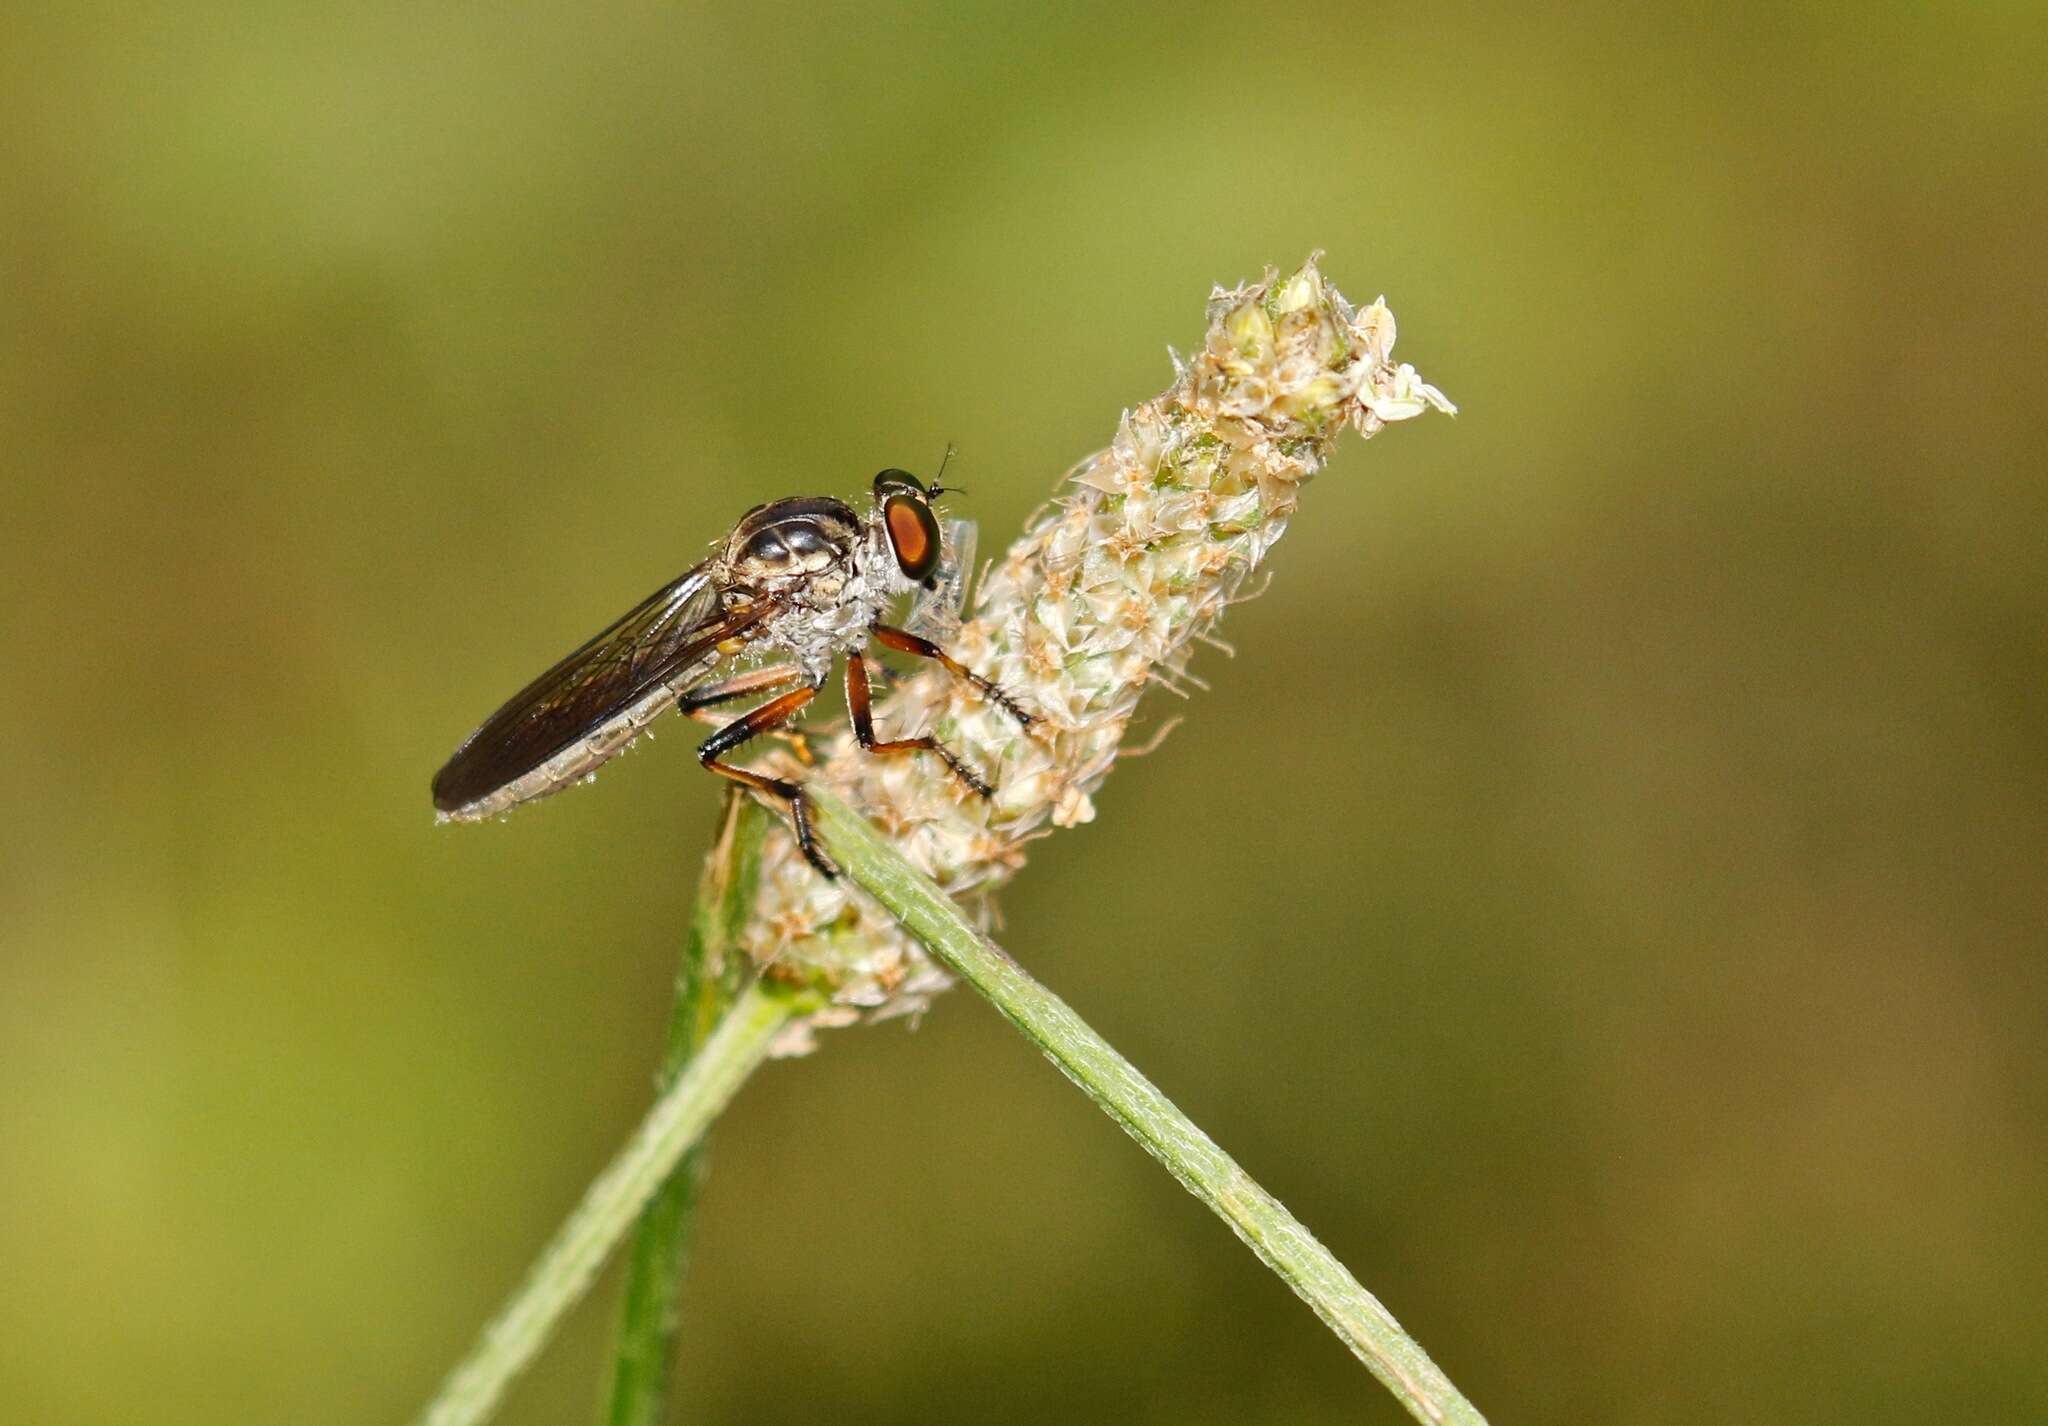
<point>1116,1086</point>
<point>706,982</point>
<point>569,1262</point>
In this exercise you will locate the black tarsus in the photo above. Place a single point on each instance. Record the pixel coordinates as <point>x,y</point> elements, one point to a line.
<point>755,680</point>
<point>766,718</point>
<point>697,702</point>
<point>903,641</point>
<point>859,704</point>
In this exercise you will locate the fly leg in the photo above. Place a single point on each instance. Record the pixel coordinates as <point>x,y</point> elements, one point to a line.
<point>757,680</point>
<point>766,719</point>
<point>858,703</point>
<point>905,642</point>
<point>697,702</point>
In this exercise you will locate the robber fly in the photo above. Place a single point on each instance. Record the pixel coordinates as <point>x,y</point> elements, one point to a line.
<point>810,577</point>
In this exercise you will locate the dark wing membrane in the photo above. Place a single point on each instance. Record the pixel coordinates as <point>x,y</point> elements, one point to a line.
<point>678,626</point>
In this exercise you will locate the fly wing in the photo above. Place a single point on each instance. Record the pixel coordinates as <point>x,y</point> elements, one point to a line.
<point>592,703</point>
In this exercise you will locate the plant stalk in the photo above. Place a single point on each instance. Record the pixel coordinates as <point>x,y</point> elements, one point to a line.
<point>739,1044</point>
<point>710,975</point>
<point>569,1262</point>
<point>1116,1086</point>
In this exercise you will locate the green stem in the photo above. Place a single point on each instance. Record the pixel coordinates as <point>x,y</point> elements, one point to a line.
<point>569,1262</point>
<point>1106,1077</point>
<point>708,979</point>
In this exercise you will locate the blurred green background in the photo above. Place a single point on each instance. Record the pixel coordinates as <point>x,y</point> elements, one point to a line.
<point>1605,897</point>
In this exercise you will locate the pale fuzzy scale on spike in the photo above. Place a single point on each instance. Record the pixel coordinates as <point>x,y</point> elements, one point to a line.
<point>1144,547</point>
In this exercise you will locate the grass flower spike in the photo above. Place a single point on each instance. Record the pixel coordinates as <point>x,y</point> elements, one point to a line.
<point>1106,594</point>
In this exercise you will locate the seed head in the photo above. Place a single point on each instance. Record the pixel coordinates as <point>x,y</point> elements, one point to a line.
<point>1146,544</point>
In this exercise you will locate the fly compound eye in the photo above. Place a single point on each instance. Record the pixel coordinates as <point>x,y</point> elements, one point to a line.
<point>898,482</point>
<point>913,535</point>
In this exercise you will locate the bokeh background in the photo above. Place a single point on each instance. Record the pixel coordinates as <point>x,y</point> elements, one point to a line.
<point>1605,896</point>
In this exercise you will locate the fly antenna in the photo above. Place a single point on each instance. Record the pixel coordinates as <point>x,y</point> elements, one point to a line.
<point>937,489</point>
